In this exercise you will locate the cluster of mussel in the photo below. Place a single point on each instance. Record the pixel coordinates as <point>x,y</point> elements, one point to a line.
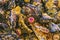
<point>30,19</point>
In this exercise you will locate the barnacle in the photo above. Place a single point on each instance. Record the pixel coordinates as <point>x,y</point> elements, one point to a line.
<point>29,19</point>
<point>27,1</point>
<point>49,5</point>
<point>59,3</point>
<point>17,10</point>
